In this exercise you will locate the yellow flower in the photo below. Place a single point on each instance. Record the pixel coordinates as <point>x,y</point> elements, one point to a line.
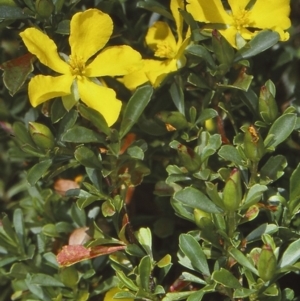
<point>169,50</point>
<point>90,31</point>
<point>265,14</point>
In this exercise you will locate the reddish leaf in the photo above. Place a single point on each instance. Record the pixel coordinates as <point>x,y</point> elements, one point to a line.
<point>16,72</point>
<point>72,254</point>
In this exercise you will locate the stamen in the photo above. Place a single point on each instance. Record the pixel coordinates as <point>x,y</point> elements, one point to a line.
<point>164,50</point>
<point>77,65</point>
<point>242,19</point>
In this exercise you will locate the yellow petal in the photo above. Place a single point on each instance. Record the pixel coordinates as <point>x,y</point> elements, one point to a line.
<point>159,71</point>
<point>208,11</point>
<point>237,6</point>
<point>44,48</point>
<point>100,98</point>
<point>161,40</point>
<point>269,14</point>
<point>135,79</point>
<point>90,31</point>
<point>230,35</point>
<point>175,6</point>
<point>113,61</point>
<point>42,88</point>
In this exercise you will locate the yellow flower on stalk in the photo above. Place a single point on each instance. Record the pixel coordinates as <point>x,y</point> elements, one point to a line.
<point>166,48</point>
<point>89,32</point>
<point>264,14</point>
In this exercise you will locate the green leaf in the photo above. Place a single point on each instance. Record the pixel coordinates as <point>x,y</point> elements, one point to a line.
<point>273,169</point>
<point>38,171</point>
<point>154,6</point>
<point>16,70</point>
<point>80,134</point>
<point>260,230</point>
<point>206,114</point>
<point>177,96</point>
<point>290,255</point>
<point>87,157</point>
<point>202,52</point>
<point>45,280</point>
<point>94,117</point>
<point>294,189</point>
<point>127,281</point>
<point>226,278</point>
<point>222,49</point>
<point>12,13</point>
<point>135,107</point>
<point>18,222</point>
<point>254,195</point>
<point>281,129</point>
<point>191,248</point>
<point>144,237</point>
<point>145,269</point>
<point>177,296</point>
<point>261,42</point>
<point>194,198</point>
<point>242,260</point>
<point>67,122</point>
<point>242,292</point>
<point>231,154</point>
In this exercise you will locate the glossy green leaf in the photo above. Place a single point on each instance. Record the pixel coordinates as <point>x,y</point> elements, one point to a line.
<point>45,280</point>
<point>156,7</point>
<point>294,190</point>
<point>80,134</point>
<point>126,281</point>
<point>260,230</point>
<point>206,114</point>
<point>177,95</point>
<point>87,157</point>
<point>254,195</point>
<point>242,260</point>
<point>273,169</point>
<point>94,117</point>
<point>261,42</point>
<point>226,278</point>
<point>38,171</point>
<point>231,154</point>
<point>201,52</point>
<point>8,12</point>
<point>145,268</point>
<point>191,248</point>
<point>281,129</point>
<point>134,108</point>
<point>144,237</point>
<point>194,198</point>
<point>290,255</point>
<point>16,70</point>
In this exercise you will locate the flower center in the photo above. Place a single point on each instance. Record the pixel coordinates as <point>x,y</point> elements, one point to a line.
<point>164,50</point>
<point>241,19</point>
<point>77,65</point>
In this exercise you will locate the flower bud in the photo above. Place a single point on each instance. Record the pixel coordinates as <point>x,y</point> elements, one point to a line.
<point>253,144</point>
<point>41,135</point>
<point>268,109</point>
<point>232,193</point>
<point>189,159</point>
<point>267,263</point>
<point>44,8</point>
<point>202,218</point>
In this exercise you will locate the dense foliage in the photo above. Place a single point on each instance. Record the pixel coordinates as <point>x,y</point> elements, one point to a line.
<point>149,150</point>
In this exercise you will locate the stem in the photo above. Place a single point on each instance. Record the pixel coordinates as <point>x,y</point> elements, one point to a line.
<point>253,172</point>
<point>231,223</point>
